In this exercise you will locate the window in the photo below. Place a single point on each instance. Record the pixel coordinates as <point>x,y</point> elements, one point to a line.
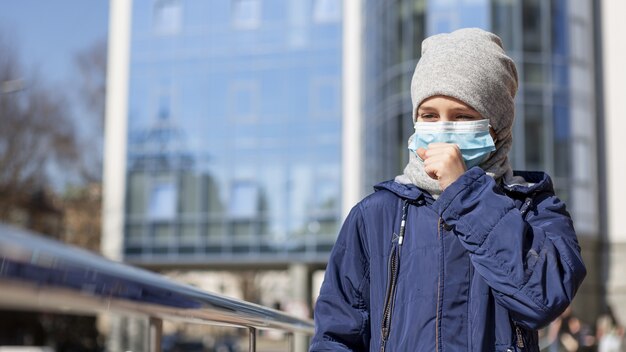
<point>534,126</point>
<point>190,194</point>
<point>531,23</point>
<point>325,96</point>
<point>244,200</point>
<point>246,14</point>
<point>327,194</point>
<point>327,11</point>
<point>164,104</point>
<point>167,17</point>
<point>136,201</point>
<point>448,15</point>
<point>243,100</point>
<point>533,72</point>
<point>162,202</point>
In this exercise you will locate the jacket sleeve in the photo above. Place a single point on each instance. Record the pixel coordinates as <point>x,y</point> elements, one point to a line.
<point>342,308</point>
<point>532,262</point>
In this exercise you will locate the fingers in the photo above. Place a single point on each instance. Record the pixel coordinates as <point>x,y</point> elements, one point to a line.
<point>432,171</point>
<point>443,162</point>
<point>421,152</point>
<point>435,149</point>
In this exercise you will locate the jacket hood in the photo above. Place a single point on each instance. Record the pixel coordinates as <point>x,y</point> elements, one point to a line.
<point>406,191</point>
<point>535,181</point>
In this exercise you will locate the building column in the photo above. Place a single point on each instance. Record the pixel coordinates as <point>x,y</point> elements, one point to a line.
<point>114,173</point>
<point>352,93</point>
<point>300,303</point>
<point>116,112</point>
<point>612,27</point>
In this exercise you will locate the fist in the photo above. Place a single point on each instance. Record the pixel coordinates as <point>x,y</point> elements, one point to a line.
<point>443,162</point>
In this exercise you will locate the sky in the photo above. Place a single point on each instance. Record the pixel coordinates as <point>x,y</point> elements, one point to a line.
<point>48,34</point>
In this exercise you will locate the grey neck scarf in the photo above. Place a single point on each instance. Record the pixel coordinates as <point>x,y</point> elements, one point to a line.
<point>496,166</point>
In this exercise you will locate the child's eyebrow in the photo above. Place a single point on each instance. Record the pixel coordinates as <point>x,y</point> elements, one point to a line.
<point>462,109</point>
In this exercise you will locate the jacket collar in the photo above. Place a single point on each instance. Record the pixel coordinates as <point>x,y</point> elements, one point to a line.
<point>536,181</point>
<point>406,191</point>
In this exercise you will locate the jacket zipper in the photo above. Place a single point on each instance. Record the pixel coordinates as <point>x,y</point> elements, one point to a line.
<point>392,270</point>
<point>392,273</point>
<point>520,337</point>
<point>438,289</point>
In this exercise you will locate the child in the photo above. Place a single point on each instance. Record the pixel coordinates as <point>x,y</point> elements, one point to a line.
<point>459,253</point>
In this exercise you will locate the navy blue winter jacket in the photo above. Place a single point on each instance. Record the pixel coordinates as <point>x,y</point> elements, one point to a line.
<point>479,269</point>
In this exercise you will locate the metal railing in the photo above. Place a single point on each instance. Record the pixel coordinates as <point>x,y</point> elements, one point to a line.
<point>41,274</point>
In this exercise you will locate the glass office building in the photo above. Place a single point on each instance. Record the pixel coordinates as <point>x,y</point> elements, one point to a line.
<point>234,131</point>
<point>534,33</point>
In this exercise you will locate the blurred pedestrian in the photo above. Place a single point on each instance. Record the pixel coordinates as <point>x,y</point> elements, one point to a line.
<point>609,334</point>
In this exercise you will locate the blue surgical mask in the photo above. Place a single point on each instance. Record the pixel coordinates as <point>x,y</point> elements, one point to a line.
<point>472,137</point>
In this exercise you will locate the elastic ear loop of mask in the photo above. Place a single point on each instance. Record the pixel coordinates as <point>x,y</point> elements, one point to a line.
<point>495,139</point>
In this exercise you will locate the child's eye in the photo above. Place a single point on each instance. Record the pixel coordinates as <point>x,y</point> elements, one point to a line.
<point>465,117</point>
<point>428,116</point>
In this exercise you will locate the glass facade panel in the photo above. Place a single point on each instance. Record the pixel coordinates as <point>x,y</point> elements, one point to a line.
<point>234,128</point>
<point>190,194</point>
<point>502,14</point>
<point>446,16</point>
<point>326,11</point>
<point>162,200</point>
<point>136,195</point>
<point>533,73</point>
<point>534,131</point>
<point>167,17</point>
<point>189,234</point>
<point>531,22</point>
<point>134,235</point>
<point>246,14</point>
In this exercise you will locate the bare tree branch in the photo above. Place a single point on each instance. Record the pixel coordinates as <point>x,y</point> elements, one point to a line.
<point>37,134</point>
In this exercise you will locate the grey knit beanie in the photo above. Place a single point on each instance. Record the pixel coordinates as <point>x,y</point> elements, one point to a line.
<point>470,65</point>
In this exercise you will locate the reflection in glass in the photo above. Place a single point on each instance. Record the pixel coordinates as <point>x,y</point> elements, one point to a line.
<point>244,200</point>
<point>234,129</point>
<point>136,197</point>
<point>246,14</point>
<point>167,17</point>
<point>162,200</point>
<point>189,234</point>
<point>189,194</point>
<point>326,11</point>
<point>162,233</point>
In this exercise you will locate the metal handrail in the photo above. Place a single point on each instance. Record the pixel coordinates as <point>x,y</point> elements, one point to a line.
<point>42,274</point>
